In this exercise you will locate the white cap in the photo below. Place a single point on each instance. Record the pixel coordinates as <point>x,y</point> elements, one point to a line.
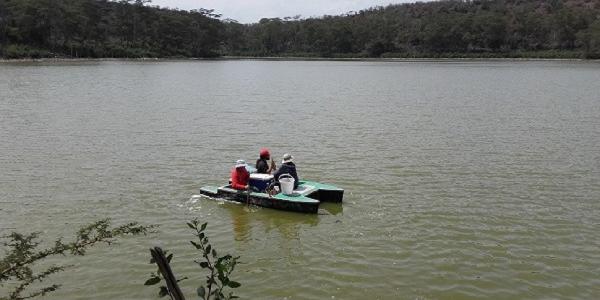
<point>240,163</point>
<point>287,158</point>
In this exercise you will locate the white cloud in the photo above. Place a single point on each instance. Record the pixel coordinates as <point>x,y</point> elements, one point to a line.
<point>249,11</point>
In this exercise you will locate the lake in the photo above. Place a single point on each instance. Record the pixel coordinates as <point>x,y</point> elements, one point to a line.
<point>463,179</point>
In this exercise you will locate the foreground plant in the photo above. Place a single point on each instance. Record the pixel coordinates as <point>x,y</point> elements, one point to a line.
<point>219,268</point>
<point>23,253</point>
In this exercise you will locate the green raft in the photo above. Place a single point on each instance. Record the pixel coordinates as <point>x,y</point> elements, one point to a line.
<point>306,198</point>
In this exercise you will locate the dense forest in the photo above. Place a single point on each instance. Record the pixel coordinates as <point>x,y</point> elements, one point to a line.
<point>134,28</point>
<point>446,28</point>
<point>101,28</point>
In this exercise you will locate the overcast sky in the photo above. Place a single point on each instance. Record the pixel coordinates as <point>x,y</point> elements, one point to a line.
<point>250,11</point>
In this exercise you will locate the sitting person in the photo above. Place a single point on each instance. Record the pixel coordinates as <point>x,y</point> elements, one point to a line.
<point>240,176</point>
<point>262,164</point>
<point>287,167</point>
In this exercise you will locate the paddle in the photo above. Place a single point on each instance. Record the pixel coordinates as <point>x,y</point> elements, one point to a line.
<point>248,196</point>
<point>273,166</point>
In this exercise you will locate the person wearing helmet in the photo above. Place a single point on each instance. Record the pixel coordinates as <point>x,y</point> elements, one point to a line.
<point>240,176</point>
<point>262,164</point>
<point>287,167</point>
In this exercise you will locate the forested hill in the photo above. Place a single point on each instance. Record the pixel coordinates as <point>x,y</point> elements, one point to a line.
<point>554,28</point>
<point>101,28</point>
<point>134,28</point>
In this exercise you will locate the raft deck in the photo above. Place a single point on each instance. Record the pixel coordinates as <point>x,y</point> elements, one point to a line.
<point>306,197</point>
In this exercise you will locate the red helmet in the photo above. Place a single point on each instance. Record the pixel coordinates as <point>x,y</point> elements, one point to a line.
<point>264,153</point>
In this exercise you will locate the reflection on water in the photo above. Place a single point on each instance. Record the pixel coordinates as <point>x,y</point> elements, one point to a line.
<point>241,224</point>
<point>246,217</point>
<point>331,208</point>
<point>286,224</point>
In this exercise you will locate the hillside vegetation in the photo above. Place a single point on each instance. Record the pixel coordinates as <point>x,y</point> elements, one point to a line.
<point>101,28</point>
<point>133,28</point>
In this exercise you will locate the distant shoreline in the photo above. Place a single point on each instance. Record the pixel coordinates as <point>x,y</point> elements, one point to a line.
<point>292,58</point>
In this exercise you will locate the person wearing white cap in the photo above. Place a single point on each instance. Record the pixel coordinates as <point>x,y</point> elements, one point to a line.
<point>240,176</point>
<point>287,167</point>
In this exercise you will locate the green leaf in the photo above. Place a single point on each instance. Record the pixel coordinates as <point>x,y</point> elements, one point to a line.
<point>220,267</point>
<point>169,258</point>
<point>201,292</point>
<point>234,284</point>
<point>152,281</point>
<point>203,226</point>
<point>196,245</point>
<point>207,250</point>
<point>190,225</point>
<point>163,291</point>
<point>226,257</point>
<point>214,253</point>
<point>203,264</point>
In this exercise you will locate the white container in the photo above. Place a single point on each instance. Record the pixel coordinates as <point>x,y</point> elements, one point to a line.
<point>287,184</point>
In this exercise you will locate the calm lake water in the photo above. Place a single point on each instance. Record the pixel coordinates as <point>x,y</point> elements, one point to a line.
<point>464,180</point>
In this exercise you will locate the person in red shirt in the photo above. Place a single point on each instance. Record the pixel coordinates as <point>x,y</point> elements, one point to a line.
<point>240,176</point>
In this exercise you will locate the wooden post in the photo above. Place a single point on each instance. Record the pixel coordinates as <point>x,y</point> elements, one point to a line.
<point>165,270</point>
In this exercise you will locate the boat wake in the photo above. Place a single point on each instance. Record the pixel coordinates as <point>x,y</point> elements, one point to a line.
<point>195,198</point>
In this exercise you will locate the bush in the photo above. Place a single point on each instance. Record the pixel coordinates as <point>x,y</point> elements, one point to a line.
<point>15,51</point>
<point>219,269</point>
<point>23,254</point>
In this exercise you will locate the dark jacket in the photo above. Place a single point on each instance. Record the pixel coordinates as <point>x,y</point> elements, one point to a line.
<point>287,168</point>
<point>262,166</point>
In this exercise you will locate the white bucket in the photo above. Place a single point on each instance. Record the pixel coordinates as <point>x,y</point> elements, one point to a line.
<point>287,184</point>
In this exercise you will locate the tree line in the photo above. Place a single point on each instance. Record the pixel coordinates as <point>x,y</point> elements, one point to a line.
<point>101,28</point>
<point>432,29</point>
<point>452,28</point>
